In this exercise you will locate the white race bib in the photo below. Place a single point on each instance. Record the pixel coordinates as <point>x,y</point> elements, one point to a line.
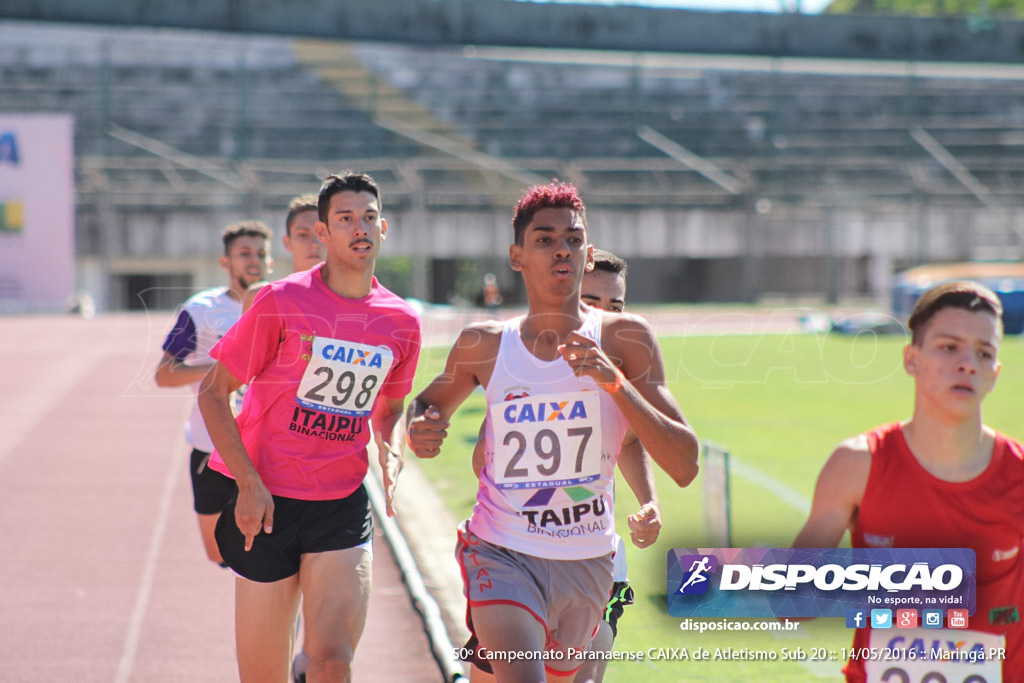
<point>925,655</point>
<point>344,377</point>
<point>547,441</point>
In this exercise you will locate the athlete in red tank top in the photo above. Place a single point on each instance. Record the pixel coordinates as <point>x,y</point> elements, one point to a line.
<point>941,479</point>
<point>905,506</point>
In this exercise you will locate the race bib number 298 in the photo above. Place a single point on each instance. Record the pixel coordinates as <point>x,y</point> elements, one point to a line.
<point>548,440</point>
<point>344,377</point>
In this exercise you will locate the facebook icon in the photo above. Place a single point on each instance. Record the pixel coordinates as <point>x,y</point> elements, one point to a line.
<point>856,618</point>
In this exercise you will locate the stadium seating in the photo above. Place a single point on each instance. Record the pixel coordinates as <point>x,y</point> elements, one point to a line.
<point>859,167</point>
<point>791,129</point>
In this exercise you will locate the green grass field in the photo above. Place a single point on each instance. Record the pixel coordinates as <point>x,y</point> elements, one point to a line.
<point>779,404</point>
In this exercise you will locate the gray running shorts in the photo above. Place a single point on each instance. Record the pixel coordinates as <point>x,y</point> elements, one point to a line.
<point>568,597</point>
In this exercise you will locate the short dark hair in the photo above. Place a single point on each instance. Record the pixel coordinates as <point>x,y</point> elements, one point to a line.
<point>609,262</point>
<point>301,204</point>
<point>345,181</point>
<point>554,195</point>
<point>251,228</point>
<point>964,294</point>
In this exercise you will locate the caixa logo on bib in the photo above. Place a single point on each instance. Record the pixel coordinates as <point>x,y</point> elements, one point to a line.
<point>816,582</point>
<point>353,356</point>
<point>544,411</point>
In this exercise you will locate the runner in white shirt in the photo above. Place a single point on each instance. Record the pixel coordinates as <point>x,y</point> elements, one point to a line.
<point>203,320</point>
<point>566,384</point>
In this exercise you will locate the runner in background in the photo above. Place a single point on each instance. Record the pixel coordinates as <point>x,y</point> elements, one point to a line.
<point>299,240</point>
<point>204,319</point>
<point>491,295</point>
<point>604,287</point>
<point>941,479</point>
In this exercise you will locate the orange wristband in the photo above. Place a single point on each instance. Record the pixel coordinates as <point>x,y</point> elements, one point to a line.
<point>612,387</point>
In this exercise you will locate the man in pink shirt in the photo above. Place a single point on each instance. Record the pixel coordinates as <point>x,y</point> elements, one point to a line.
<point>329,355</point>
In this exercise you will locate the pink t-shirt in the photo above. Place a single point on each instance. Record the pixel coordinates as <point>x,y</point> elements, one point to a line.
<point>316,363</point>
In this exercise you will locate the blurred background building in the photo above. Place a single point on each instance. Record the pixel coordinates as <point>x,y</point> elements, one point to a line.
<point>728,156</point>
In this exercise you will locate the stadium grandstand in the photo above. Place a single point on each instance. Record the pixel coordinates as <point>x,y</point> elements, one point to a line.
<point>722,177</point>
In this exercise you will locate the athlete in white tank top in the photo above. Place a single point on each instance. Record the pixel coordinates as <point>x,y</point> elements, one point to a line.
<point>552,440</point>
<point>548,436</point>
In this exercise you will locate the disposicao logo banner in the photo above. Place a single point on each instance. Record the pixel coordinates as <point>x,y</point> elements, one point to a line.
<point>817,582</point>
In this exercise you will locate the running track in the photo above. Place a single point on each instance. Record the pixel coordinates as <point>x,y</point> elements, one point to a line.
<point>102,574</point>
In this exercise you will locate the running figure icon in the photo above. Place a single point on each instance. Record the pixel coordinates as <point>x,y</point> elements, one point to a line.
<point>697,573</point>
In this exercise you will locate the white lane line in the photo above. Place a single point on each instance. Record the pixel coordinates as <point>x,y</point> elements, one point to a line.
<point>156,539</point>
<point>801,504</point>
<point>24,407</point>
<point>787,495</point>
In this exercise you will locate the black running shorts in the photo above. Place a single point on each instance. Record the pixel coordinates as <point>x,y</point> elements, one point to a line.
<point>211,490</point>
<point>300,526</point>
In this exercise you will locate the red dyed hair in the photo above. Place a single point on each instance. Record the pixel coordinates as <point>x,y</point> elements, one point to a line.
<point>554,195</point>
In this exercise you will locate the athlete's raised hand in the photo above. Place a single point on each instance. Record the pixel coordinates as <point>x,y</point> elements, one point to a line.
<point>427,432</point>
<point>587,359</point>
<point>645,525</point>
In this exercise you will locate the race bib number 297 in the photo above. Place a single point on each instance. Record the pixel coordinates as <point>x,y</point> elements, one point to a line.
<point>344,377</point>
<point>548,440</point>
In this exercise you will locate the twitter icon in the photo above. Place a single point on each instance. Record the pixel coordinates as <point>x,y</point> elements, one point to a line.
<point>881,618</point>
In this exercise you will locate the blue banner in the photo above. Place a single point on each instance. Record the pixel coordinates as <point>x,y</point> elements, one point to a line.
<point>817,582</point>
